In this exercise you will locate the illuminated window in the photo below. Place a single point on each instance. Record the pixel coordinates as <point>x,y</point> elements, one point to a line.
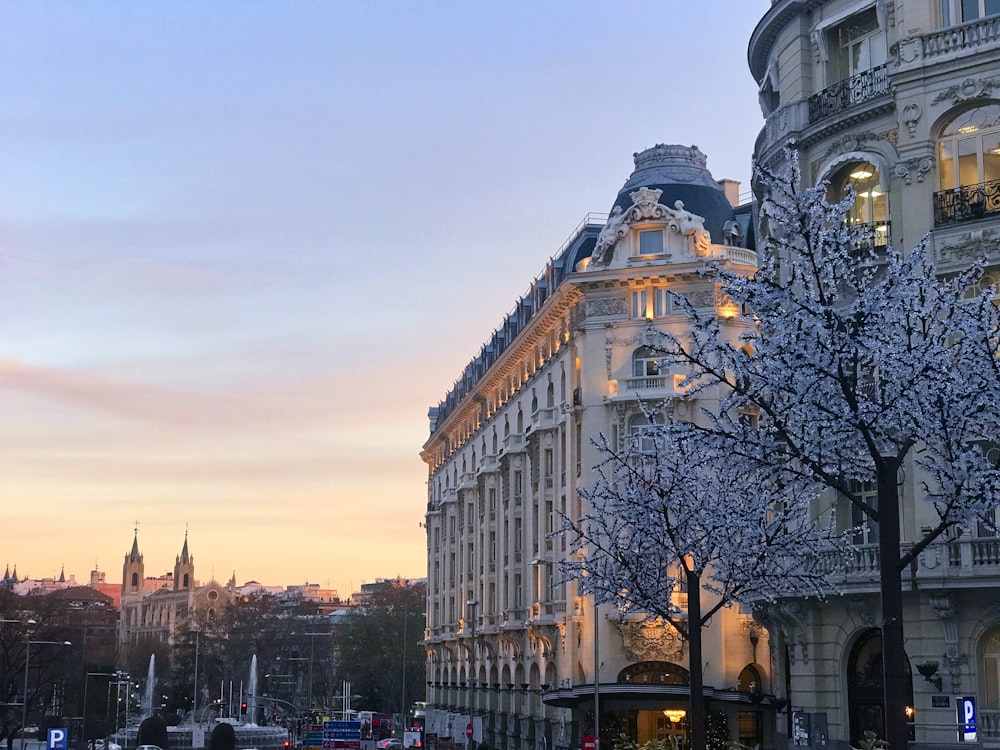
<point>870,199</point>
<point>989,668</point>
<point>969,148</point>
<point>645,362</point>
<point>650,303</point>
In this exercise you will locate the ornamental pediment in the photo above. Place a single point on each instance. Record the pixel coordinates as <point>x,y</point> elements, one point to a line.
<point>649,230</point>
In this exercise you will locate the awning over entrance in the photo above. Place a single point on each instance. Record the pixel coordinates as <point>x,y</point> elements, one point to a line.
<point>638,696</point>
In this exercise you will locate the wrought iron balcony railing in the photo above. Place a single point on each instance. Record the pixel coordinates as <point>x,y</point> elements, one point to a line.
<point>863,87</point>
<point>966,203</point>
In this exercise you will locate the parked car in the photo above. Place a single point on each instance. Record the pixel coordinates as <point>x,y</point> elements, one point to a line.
<point>392,743</point>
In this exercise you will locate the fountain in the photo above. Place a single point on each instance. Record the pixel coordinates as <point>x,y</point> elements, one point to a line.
<point>248,734</point>
<point>252,692</point>
<point>147,697</point>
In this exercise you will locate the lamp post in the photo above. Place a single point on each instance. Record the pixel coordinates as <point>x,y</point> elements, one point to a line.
<point>27,657</point>
<point>311,636</point>
<point>86,683</point>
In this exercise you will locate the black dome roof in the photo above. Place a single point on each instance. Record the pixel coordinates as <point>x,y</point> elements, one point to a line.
<point>681,173</point>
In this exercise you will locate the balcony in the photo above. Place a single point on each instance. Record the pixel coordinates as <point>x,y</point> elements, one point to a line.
<point>545,419</point>
<point>489,463</point>
<point>513,444</point>
<point>860,88</point>
<point>972,36</point>
<point>647,383</point>
<point>966,203</point>
<point>467,481</point>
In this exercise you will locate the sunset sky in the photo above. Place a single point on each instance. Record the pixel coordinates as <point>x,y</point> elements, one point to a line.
<point>245,245</point>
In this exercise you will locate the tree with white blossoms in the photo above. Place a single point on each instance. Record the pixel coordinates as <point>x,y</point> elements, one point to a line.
<point>675,510</point>
<point>860,362</point>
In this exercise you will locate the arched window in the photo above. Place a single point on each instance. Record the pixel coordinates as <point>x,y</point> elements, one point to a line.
<point>870,206</point>
<point>969,159</point>
<point>135,579</point>
<point>645,362</point>
<point>969,148</point>
<point>186,581</point>
<point>989,671</point>
<point>750,680</point>
<point>654,673</point>
<point>642,432</point>
<point>865,686</point>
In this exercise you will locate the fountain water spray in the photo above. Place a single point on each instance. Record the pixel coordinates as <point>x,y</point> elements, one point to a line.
<point>147,698</point>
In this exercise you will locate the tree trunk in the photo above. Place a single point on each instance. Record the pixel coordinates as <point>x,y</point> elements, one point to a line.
<point>696,715</point>
<point>891,584</point>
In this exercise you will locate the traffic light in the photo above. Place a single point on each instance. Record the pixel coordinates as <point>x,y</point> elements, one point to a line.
<point>243,708</point>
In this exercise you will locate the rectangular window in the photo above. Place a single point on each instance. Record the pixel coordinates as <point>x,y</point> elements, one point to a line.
<point>865,528</point>
<point>651,242</point>
<point>639,304</point>
<point>661,303</point>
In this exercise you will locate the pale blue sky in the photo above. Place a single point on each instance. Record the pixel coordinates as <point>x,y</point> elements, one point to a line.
<point>245,245</point>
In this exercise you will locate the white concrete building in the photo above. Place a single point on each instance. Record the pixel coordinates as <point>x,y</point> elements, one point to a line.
<point>901,100</point>
<point>511,652</point>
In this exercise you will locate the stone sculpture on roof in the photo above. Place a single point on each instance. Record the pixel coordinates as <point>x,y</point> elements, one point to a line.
<point>646,206</point>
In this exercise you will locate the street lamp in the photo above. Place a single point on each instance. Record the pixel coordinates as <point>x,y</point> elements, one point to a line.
<point>27,656</point>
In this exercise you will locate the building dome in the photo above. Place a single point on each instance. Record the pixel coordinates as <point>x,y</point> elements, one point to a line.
<point>681,173</point>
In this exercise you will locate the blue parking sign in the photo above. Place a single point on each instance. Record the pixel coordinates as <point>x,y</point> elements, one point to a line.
<point>58,739</point>
<point>966,709</point>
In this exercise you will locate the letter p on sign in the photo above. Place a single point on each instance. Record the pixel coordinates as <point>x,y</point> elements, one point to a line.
<point>58,738</point>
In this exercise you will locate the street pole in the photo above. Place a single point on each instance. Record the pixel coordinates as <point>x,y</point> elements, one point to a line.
<point>472,604</point>
<point>24,702</point>
<point>597,683</point>
<point>194,700</point>
<point>402,697</point>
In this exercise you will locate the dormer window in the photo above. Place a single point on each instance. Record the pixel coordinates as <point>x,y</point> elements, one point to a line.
<point>651,241</point>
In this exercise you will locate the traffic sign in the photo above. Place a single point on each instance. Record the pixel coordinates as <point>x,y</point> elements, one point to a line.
<point>468,730</point>
<point>589,743</point>
<point>57,738</point>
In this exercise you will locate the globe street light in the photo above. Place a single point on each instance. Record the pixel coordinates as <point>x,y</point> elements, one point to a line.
<point>27,656</point>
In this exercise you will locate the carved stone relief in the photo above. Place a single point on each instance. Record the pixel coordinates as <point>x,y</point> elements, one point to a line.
<point>917,167</point>
<point>646,207</point>
<point>944,607</point>
<point>975,244</point>
<point>910,117</point>
<point>970,88</point>
<point>648,641</point>
<point>606,307</point>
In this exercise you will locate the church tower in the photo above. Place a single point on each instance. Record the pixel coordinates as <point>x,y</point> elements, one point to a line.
<point>133,572</point>
<point>184,569</point>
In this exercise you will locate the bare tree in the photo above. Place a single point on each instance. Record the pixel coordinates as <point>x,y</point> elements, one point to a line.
<point>859,362</point>
<point>675,510</point>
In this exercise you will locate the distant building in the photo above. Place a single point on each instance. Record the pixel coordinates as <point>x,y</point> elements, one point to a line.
<point>362,597</point>
<point>153,608</point>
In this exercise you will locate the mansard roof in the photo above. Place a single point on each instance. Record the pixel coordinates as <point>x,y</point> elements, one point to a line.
<point>681,172</point>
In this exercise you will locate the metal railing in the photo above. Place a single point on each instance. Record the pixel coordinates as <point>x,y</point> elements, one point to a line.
<point>966,203</point>
<point>860,88</point>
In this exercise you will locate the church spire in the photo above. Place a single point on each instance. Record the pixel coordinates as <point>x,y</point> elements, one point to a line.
<point>134,555</point>
<point>185,556</point>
